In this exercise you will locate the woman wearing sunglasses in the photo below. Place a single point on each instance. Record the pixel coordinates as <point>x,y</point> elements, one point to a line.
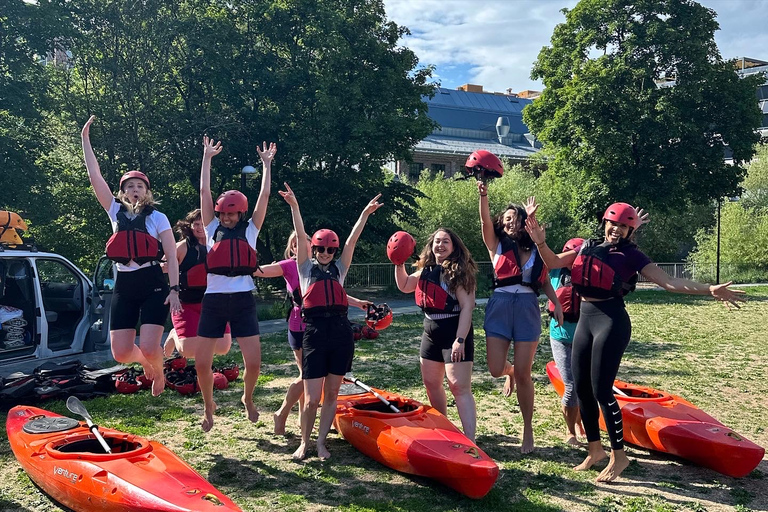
<point>327,346</point>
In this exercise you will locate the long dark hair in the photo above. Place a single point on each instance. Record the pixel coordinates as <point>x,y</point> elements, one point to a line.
<point>522,237</point>
<point>184,226</point>
<point>459,267</point>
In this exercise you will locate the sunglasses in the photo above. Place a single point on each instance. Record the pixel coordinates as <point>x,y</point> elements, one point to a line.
<point>321,249</point>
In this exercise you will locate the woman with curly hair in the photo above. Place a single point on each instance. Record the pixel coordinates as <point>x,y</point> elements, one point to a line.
<point>444,285</point>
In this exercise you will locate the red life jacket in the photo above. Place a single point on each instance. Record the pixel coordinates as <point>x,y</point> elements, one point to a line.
<point>568,296</point>
<point>324,296</point>
<point>508,270</point>
<point>593,277</point>
<point>193,276</point>
<point>231,254</point>
<point>131,241</point>
<point>430,295</point>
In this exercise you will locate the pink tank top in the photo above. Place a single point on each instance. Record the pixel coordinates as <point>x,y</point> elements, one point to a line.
<point>291,276</point>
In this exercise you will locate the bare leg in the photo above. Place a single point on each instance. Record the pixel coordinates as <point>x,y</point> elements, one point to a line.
<point>328,412</point>
<point>524,354</point>
<point>432,374</point>
<point>572,418</point>
<point>294,394</point>
<point>124,350</point>
<point>223,345</point>
<point>313,389</point>
<point>460,382</point>
<point>498,365</point>
<point>203,362</point>
<point>170,344</point>
<point>616,465</point>
<point>149,344</point>
<point>595,453</point>
<point>250,346</point>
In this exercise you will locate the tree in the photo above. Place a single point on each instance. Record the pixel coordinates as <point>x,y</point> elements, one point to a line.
<point>618,136</point>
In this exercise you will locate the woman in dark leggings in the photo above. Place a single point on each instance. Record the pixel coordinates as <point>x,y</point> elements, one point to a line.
<point>603,271</point>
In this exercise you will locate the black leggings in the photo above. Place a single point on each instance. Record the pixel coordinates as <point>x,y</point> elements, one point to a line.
<point>601,337</point>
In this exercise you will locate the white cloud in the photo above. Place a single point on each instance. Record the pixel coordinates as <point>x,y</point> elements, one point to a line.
<point>495,42</point>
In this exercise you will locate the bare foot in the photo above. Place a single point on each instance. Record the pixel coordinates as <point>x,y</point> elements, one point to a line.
<point>572,440</point>
<point>168,347</point>
<point>208,418</point>
<point>149,372</point>
<point>323,452</point>
<point>593,457</point>
<point>616,465</point>
<point>279,424</point>
<point>250,409</point>
<point>527,446</point>
<point>300,453</point>
<point>158,384</point>
<point>509,385</point>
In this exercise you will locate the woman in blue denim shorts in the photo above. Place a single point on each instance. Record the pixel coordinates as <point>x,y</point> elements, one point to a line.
<point>512,314</point>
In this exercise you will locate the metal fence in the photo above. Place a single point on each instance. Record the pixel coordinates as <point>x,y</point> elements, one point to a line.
<point>376,275</point>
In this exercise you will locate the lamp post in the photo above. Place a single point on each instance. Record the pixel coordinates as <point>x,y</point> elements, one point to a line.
<point>248,169</point>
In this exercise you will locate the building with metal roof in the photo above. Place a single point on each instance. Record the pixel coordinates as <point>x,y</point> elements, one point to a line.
<point>471,119</point>
<point>747,66</point>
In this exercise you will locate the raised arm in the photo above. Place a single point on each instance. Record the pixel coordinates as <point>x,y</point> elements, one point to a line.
<point>721,292</point>
<point>359,303</point>
<point>210,149</point>
<point>260,210</point>
<point>298,224</point>
<point>538,236</point>
<point>100,187</point>
<point>406,283</point>
<point>490,239</point>
<point>357,229</point>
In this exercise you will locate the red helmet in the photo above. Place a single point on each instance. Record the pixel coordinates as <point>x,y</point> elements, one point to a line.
<point>357,331</point>
<point>232,201</point>
<point>134,174</point>
<point>325,238</point>
<point>484,164</point>
<point>622,213</point>
<point>400,247</point>
<point>370,333</point>
<point>379,317</point>
<point>125,382</point>
<point>574,244</point>
<point>177,363</point>
<point>231,372</point>
<point>220,381</point>
<point>143,381</point>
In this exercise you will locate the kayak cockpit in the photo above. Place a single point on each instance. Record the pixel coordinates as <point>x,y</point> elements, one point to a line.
<point>378,409</point>
<point>86,446</point>
<point>634,393</point>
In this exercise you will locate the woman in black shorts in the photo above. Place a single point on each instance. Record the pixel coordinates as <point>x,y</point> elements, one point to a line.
<point>444,285</point>
<point>141,236</point>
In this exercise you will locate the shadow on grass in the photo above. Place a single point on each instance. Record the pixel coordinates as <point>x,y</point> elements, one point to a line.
<point>10,506</point>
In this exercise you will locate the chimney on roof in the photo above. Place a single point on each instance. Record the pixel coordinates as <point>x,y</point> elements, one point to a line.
<point>470,88</point>
<point>502,128</point>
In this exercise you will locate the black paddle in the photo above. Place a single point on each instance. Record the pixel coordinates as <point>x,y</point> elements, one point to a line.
<point>76,406</point>
<point>363,385</point>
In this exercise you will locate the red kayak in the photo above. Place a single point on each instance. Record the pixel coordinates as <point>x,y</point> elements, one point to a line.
<point>667,423</point>
<point>418,440</point>
<point>66,461</point>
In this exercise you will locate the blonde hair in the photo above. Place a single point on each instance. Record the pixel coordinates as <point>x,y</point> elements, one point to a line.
<point>459,267</point>
<point>147,200</point>
<point>293,237</point>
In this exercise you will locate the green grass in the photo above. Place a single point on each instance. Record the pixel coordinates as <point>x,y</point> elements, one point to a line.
<point>688,346</point>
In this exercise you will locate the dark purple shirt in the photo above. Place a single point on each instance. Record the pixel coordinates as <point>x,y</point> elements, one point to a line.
<point>627,261</point>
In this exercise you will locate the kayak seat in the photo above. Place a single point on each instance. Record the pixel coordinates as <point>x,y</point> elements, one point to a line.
<point>379,406</point>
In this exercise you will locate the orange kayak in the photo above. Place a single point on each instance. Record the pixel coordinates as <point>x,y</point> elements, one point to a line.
<point>65,460</point>
<point>418,440</point>
<point>667,423</point>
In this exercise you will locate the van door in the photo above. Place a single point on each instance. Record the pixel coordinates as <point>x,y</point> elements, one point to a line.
<point>103,288</point>
<point>63,290</point>
<point>20,330</point>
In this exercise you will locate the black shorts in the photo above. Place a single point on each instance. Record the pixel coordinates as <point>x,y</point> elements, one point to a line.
<point>237,309</point>
<point>139,294</point>
<point>438,337</point>
<point>327,347</point>
<point>295,339</point>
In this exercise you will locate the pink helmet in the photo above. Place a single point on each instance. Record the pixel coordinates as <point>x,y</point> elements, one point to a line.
<point>622,213</point>
<point>325,238</point>
<point>574,244</point>
<point>400,247</point>
<point>134,174</point>
<point>489,164</point>
<point>232,201</point>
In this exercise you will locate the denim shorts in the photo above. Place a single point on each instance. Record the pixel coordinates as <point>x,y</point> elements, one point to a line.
<point>513,317</point>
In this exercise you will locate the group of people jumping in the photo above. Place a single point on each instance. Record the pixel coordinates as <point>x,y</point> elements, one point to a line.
<point>209,285</point>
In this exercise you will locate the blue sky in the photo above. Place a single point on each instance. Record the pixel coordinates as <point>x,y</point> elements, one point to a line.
<point>494,42</point>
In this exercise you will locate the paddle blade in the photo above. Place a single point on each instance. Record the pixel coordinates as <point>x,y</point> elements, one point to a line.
<point>76,406</point>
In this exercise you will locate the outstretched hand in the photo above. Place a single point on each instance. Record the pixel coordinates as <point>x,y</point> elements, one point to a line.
<point>373,205</point>
<point>86,132</point>
<point>530,206</point>
<point>643,216</point>
<point>536,230</point>
<point>267,153</point>
<point>209,148</point>
<point>288,195</point>
<point>726,295</point>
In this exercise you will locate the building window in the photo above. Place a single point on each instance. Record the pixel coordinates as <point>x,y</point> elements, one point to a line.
<point>415,170</point>
<point>435,168</point>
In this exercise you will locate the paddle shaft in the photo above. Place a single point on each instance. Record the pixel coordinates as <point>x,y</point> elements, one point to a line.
<point>619,392</point>
<point>374,393</point>
<point>95,429</point>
